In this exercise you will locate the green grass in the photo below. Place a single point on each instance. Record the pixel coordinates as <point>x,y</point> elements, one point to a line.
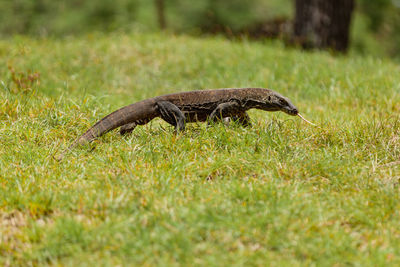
<point>279,193</point>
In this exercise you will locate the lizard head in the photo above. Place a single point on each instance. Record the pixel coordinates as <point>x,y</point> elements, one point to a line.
<point>277,102</point>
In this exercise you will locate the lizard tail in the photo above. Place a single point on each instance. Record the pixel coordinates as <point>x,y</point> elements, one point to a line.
<point>137,111</point>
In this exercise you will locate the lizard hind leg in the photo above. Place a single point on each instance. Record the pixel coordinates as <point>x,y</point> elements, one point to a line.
<point>127,128</point>
<point>172,114</point>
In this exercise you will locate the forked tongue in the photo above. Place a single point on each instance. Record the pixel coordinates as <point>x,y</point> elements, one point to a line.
<point>301,117</point>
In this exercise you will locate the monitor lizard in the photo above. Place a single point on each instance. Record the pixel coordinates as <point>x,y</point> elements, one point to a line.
<point>179,108</point>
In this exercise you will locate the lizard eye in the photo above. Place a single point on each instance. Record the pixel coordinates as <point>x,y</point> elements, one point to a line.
<point>281,101</point>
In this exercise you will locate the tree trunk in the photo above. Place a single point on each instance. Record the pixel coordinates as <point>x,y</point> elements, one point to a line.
<point>160,8</point>
<point>323,23</point>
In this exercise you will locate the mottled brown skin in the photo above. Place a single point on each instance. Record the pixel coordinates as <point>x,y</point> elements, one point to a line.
<point>180,108</point>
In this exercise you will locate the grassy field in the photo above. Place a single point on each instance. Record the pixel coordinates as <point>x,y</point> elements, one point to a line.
<point>281,192</point>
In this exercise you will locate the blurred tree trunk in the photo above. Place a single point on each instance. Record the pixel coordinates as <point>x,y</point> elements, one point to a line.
<point>160,7</point>
<point>323,23</point>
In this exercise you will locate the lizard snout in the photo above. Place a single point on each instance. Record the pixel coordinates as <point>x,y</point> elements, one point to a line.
<point>291,111</point>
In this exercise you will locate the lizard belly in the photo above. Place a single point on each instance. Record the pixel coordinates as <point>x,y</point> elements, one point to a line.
<point>196,116</point>
<point>199,112</point>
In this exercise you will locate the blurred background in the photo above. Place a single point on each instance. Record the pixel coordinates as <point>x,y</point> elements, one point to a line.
<point>357,26</point>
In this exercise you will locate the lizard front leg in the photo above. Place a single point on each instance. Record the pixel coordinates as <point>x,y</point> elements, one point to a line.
<point>230,109</point>
<point>171,114</point>
<point>242,118</point>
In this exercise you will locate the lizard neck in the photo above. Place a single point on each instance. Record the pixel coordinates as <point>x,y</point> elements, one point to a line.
<point>258,104</point>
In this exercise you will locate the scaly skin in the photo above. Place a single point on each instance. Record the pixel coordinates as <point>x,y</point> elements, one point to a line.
<point>179,108</point>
